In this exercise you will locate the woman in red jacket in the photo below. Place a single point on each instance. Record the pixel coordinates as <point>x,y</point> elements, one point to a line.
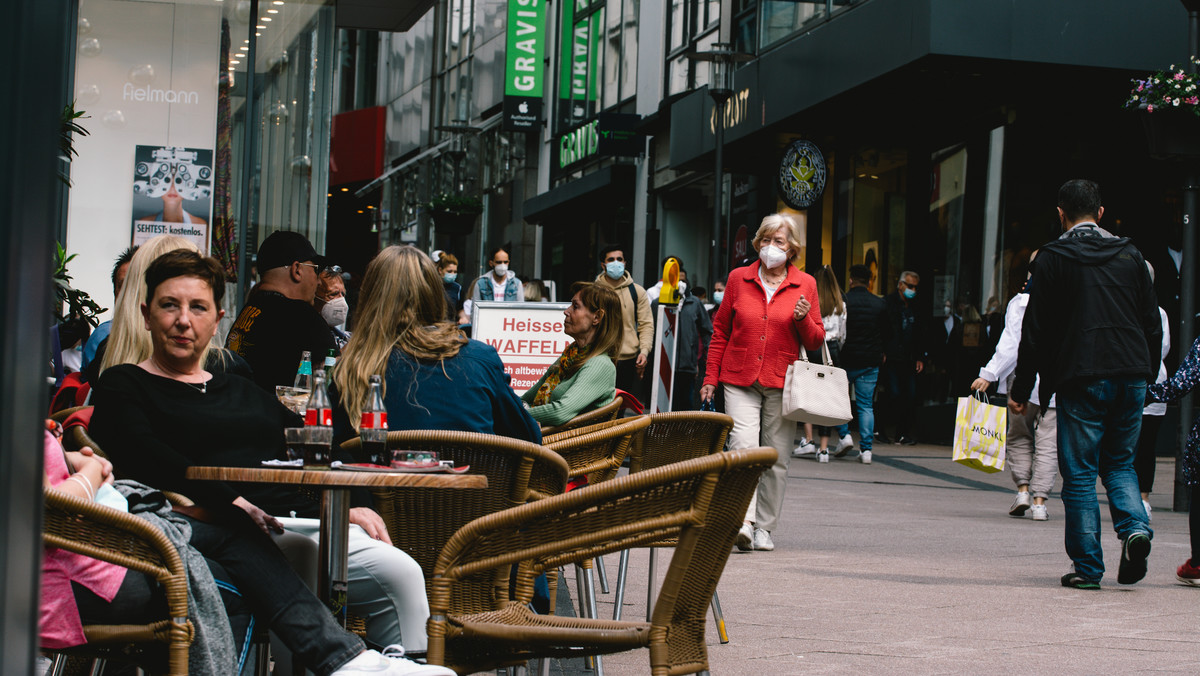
<point>769,308</point>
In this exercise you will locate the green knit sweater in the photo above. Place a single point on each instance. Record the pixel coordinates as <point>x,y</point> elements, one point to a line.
<point>592,386</point>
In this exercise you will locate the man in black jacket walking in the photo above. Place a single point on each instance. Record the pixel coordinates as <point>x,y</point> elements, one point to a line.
<point>1093,333</point>
<point>867,330</point>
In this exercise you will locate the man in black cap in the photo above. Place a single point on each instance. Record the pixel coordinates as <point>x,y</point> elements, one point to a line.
<point>279,322</point>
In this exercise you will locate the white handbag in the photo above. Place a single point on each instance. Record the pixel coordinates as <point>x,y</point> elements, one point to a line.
<point>816,393</point>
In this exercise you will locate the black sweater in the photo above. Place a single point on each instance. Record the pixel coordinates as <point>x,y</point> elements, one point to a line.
<point>154,428</point>
<point>1092,314</point>
<point>867,329</point>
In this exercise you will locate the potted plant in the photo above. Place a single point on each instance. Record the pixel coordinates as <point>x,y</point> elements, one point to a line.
<point>1169,101</point>
<point>74,310</point>
<point>454,214</point>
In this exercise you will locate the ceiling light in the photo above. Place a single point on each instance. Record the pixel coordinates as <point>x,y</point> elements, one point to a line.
<point>244,48</point>
<point>370,207</point>
<point>258,35</point>
<point>260,27</point>
<point>360,211</point>
<point>272,11</point>
<point>266,18</point>
<point>345,189</point>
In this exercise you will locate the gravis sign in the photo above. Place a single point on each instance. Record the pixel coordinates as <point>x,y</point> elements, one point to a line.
<point>524,72</point>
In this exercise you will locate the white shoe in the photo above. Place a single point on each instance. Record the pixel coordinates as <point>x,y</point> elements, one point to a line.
<point>865,457</point>
<point>845,445</point>
<point>391,662</point>
<point>823,455</point>
<point>1147,506</point>
<point>1020,504</point>
<point>805,447</point>
<point>1038,513</point>
<point>745,538</point>
<point>762,540</point>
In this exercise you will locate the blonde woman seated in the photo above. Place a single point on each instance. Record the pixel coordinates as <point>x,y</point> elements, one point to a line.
<point>584,377</point>
<point>434,377</point>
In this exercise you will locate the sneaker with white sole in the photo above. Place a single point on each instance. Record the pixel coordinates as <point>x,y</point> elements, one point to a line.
<point>391,662</point>
<point>1020,504</point>
<point>745,538</point>
<point>1038,513</point>
<point>762,540</point>
<point>805,447</point>
<point>865,457</point>
<point>823,455</point>
<point>845,445</point>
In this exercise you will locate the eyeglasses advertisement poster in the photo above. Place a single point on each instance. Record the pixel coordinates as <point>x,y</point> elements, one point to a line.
<point>172,193</point>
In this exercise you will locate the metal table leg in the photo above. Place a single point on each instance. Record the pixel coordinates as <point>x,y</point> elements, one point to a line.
<point>335,550</point>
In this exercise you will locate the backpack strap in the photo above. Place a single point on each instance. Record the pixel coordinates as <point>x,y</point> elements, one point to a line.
<point>633,295</point>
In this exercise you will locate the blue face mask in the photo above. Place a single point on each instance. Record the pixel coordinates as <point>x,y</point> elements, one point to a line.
<point>717,296</point>
<point>910,294</point>
<point>615,269</point>
<point>450,276</point>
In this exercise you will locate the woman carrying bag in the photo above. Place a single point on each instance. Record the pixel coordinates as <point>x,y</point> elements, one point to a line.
<point>769,308</point>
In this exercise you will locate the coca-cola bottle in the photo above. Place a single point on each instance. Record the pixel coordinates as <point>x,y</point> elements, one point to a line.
<point>303,379</point>
<point>373,426</point>
<point>318,412</point>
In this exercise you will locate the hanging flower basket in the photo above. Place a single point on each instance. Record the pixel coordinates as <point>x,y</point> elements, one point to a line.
<point>455,214</point>
<point>1169,105</point>
<point>454,224</point>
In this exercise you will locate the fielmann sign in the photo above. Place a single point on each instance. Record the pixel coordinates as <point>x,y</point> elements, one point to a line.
<point>525,71</point>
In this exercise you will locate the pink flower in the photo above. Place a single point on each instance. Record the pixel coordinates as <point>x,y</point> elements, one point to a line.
<point>1166,99</point>
<point>1150,108</point>
<point>1192,100</point>
<point>1179,76</point>
<point>1139,86</point>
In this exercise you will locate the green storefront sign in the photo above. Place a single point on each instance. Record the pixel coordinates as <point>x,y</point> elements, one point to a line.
<point>525,72</point>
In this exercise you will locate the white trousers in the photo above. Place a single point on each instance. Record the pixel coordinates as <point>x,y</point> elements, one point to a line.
<point>758,420</point>
<point>386,586</point>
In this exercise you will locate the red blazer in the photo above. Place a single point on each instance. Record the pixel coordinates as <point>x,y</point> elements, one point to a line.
<point>756,341</point>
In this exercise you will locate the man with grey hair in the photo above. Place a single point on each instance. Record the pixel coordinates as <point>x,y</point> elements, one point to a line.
<point>906,356</point>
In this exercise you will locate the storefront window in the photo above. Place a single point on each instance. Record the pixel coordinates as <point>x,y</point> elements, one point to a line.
<point>877,216</point>
<point>164,86</point>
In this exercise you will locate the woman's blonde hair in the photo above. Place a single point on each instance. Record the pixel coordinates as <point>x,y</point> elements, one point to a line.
<point>602,300</point>
<point>774,222</point>
<point>829,296</point>
<point>129,341</point>
<point>401,306</point>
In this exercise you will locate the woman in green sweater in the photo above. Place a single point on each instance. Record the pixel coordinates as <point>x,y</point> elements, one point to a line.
<point>584,377</point>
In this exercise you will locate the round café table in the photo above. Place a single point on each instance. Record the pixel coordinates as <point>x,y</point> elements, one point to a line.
<point>335,485</point>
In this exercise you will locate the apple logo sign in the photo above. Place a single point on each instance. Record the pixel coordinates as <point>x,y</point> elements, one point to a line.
<point>523,108</point>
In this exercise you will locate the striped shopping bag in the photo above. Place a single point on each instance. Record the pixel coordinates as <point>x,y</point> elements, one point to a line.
<point>979,433</point>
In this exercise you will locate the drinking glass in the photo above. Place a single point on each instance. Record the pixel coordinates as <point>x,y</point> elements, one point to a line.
<point>374,446</point>
<point>316,445</point>
<point>294,398</point>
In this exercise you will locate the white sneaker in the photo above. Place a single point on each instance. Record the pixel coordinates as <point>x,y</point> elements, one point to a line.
<point>865,457</point>
<point>745,538</point>
<point>805,447</point>
<point>1038,513</point>
<point>845,445</point>
<point>1145,504</point>
<point>762,540</point>
<point>1020,504</point>
<point>391,662</point>
<point>823,455</point>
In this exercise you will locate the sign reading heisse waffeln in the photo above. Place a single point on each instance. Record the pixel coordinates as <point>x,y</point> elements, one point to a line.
<point>528,336</point>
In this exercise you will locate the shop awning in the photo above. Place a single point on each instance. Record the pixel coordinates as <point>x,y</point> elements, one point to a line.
<point>396,16</point>
<point>575,194</point>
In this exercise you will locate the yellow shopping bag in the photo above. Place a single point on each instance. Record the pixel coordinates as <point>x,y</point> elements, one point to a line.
<point>979,433</point>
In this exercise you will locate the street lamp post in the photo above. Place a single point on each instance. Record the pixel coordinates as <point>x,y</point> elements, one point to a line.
<point>720,87</point>
<point>1187,272</point>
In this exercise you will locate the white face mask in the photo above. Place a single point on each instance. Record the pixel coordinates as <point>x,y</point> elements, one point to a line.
<point>501,269</point>
<point>682,287</point>
<point>335,311</point>
<point>772,256</point>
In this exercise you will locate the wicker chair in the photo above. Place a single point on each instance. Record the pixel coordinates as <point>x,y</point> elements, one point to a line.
<point>670,438</point>
<point>421,520</point>
<point>701,501</point>
<point>607,412</point>
<point>81,526</point>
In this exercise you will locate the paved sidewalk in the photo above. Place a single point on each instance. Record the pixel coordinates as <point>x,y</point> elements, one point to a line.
<point>911,565</point>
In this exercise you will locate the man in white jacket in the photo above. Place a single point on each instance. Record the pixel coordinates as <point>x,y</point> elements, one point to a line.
<point>1032,441</point>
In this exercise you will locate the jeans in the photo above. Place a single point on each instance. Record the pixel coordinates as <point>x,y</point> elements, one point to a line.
<point>864,381</point>
<point>1098,425</point>
<point>276,595</point>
